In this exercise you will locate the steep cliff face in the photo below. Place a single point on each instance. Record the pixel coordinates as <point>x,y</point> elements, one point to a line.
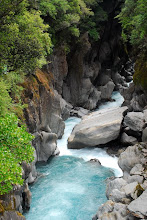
<point>91,71</point>
<point>43,114</point>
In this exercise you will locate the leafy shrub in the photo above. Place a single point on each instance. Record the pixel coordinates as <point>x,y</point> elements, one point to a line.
<point>15,147</point>
<point>133,18</point>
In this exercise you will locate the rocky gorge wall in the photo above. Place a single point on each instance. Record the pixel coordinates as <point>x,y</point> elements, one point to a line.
<point>91,71</point>
<point>83,78</point>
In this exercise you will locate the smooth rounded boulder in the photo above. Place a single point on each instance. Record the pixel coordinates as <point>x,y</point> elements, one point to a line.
<point>97,128</point>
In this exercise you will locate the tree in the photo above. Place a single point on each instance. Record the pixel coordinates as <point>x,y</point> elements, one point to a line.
<point>65,16</point>
<point>24,40</point>
<point>15,147</point>
<point>133,18</point>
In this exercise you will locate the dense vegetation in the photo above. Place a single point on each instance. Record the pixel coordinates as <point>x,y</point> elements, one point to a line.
<point>15,147</point>
<point>29,29</point>
<point>133,18</point>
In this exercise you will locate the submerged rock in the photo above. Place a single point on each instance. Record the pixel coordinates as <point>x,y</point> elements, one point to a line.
<point>95,161</point>
<point>79,112</point>
<point>97,128</point>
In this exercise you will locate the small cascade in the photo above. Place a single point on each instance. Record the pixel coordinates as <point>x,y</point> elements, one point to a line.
<point>117,103</point>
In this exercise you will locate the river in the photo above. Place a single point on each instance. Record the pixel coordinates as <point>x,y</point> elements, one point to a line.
<point>71,187</point>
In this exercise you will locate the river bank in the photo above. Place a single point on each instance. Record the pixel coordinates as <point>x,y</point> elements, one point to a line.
<point>127,196</point>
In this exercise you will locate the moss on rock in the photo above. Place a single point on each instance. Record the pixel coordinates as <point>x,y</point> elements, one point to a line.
<point>140,76</point>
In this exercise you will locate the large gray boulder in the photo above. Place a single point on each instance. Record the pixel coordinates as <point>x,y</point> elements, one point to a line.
<point>45,144</point>
<point>129,158</point>
<point>135,121</point>
<point>138,207</point>
<point>112,185</point>
<point>106,90</point>
<point>97,128</point>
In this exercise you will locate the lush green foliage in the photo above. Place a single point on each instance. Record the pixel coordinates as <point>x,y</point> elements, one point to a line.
<point>70,18</point>
<point>93,24</point>
<point>5,99</point>
<point>15,147</point>
<point>24,41</point>
<point>24,45</point>
<point>134,22</point>
<point>15,142</point>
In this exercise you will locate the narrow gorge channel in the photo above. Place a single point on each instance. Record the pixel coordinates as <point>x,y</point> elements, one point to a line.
<point>71,187</point>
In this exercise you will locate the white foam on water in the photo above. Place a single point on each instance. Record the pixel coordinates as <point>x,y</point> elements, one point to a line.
<point>91,153</point>
<point>117,103</point>
<point>70,188</point>
<point>55,214</point>
<point>128,84</point>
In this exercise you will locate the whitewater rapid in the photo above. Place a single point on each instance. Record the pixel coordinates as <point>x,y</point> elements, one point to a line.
<point>69,186</point>
<point>91,153</point>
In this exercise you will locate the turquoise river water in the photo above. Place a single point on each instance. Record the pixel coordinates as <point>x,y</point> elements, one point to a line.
<point>70,187</point>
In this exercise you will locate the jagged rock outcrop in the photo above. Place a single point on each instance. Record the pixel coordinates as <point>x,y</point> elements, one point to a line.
<point>43,114</point>
<point>97,128</point>
<point>78,88</point>
<point>128,193</point>
<point>135,97</point>
<point>91,71</point>
<point>58,66</point>
<point>135,121</point>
